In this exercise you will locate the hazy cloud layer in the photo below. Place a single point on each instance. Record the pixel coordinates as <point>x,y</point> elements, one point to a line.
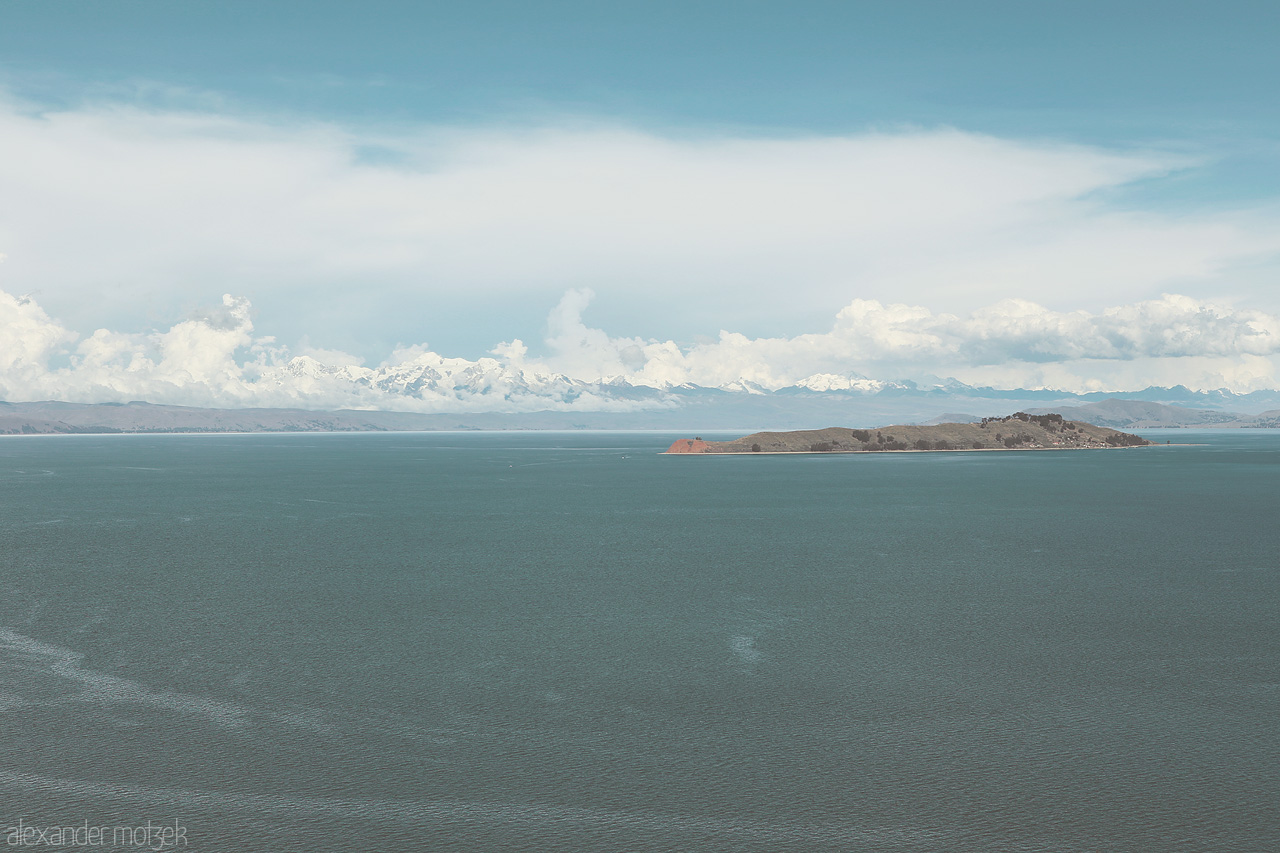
<point>343,238</point>
<point>346,236</point>
<point>216,358</point>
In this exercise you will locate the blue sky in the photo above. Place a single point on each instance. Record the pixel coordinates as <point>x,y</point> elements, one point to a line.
<point>1095,71</point>
<point>380,175</point>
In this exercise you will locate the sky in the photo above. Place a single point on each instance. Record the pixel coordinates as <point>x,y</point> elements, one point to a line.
<point>1078,195</point>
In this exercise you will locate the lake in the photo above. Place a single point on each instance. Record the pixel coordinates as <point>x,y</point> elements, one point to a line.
<point>568,642</point>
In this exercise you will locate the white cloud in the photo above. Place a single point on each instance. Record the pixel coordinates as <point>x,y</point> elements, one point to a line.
<point>1013,343</point>
<point>104,206</point>
<point>217,358</point>
<point>28,337</point>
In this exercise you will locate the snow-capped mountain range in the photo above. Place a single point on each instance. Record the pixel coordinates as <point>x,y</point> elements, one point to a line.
<point>434,383</point>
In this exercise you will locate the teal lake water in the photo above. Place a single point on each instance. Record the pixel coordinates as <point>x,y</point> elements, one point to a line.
<point>566,642</point>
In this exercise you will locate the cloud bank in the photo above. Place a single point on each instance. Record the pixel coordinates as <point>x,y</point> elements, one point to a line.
<point>1013,343</point>
<point>217,358</point>
<point>832,262</point>
<point>367,237</point>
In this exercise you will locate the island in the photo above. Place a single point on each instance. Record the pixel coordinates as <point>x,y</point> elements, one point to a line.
<point>1019,431</point>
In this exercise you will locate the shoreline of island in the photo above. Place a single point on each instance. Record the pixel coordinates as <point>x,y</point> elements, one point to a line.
<point>952,450</point>
<point>1018,431</point>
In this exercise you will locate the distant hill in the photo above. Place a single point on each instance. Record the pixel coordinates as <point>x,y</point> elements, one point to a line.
<point>680,408</point>
<point>1019,431</point>
<point>1139,414</point>
<point>953,418</point>
<point>1266,420</point>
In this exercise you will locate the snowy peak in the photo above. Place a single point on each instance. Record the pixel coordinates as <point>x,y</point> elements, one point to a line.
<point>823,382</point>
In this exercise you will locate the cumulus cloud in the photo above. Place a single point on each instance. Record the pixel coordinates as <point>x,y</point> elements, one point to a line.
<point>205,360</point>
<point>105,205</point>
<point>28,337</point>
<point>1011,341</point>
<point>216,357</point>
